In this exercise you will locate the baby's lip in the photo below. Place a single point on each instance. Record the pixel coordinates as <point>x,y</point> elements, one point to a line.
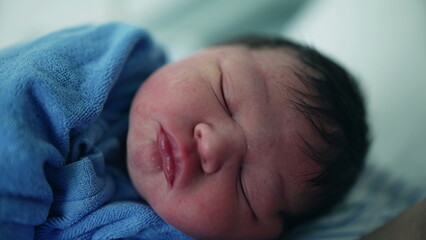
<point>167,156</point>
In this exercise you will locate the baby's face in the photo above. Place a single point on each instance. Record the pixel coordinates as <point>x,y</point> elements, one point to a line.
<point>214,144</point>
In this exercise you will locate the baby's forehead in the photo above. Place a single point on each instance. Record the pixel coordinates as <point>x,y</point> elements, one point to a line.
<point>277,67</point>
<point>273,62</point>
<point>283,70</point>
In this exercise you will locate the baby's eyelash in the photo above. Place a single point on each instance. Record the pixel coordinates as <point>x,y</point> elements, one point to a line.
<point>227,108</point>
<point>240,179</point>
<point>241,183</point>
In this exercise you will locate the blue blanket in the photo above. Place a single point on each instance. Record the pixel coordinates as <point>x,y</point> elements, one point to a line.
<point>64,102</point>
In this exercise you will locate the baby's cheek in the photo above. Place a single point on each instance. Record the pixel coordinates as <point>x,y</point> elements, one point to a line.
<point>201,218</point>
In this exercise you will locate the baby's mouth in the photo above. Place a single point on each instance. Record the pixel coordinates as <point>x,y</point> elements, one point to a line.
<point>167,157</point>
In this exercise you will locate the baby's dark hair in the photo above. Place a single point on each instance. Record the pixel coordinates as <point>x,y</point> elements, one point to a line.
<point>333,103</point>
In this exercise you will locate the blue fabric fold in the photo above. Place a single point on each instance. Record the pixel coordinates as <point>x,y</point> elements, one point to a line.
<point>64,101</point>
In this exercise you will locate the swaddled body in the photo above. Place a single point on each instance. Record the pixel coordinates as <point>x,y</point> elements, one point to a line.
<point>238,141</point>
<point>65,100</point>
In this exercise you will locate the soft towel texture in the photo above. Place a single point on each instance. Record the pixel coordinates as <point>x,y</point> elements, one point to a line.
<point>64,101</point>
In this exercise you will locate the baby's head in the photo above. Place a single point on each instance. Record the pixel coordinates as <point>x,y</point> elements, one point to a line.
<point>244,139</point>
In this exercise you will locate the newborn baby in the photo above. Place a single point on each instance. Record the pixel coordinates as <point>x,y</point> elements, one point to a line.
<point>242,140</point>
<point>245,139</point>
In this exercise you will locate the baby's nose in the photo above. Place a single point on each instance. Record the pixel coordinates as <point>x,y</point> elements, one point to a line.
<point>215,146</point>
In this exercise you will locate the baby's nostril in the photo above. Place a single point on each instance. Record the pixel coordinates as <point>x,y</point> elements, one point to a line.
<point>198,134</point>
<point>203,160</point>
